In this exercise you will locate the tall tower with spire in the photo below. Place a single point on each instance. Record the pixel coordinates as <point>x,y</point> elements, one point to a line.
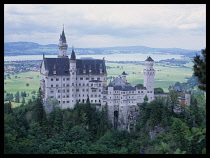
<point>62,45</point>
<point>149,74</point>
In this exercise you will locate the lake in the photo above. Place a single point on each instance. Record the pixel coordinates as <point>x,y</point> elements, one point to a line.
<point>109,57</point>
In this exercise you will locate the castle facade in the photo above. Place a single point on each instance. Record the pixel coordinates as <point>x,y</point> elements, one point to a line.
<point>71,80</point>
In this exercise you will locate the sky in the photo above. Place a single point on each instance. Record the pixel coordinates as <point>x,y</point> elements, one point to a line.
<point>108,25</point>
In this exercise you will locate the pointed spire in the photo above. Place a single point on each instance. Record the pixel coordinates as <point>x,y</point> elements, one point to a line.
<point>73,56</point>
<point>43,55</point>
<point>62,37</point>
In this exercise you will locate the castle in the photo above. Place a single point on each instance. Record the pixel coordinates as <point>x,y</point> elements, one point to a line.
<point>74,80</point>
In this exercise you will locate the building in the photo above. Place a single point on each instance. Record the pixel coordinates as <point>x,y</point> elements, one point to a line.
<point>74,80</point>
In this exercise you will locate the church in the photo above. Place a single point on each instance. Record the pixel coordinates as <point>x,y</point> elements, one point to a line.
<point>72,80</point>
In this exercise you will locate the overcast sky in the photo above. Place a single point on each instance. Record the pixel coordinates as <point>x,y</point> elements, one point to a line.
<point>107,25</point>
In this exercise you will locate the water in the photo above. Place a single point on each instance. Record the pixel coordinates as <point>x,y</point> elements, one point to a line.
<point>109,57</point>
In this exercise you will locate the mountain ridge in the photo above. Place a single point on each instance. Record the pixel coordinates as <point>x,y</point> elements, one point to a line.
<point>32,48</point>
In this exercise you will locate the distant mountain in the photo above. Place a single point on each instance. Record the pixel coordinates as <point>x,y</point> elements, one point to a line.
<point>30,48</point>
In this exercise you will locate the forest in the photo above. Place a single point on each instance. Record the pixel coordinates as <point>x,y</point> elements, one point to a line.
<point>28,129</point>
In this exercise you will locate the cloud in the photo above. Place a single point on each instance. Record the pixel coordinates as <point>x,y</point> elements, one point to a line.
<point>103,22</point>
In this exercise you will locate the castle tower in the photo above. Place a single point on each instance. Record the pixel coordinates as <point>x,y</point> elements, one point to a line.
<point>149,74</point>
<point>62,46</point>
<point>187,98</point>
<point>123,76</point>
<point>72,70</point>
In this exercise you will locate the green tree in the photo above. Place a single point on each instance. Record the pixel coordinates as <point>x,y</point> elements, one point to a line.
<point>173,101</point>
<point>146,98</point>
<point>158,90</point>
<point>23,100</point>
<point>139,85</point>
<point>17,97</point>
<point>40,114</point>
<point>197,139</point>
<point>179,131</point>
<point>200,69</point>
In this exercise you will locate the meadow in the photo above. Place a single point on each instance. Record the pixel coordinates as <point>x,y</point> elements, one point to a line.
<point>165,76</point>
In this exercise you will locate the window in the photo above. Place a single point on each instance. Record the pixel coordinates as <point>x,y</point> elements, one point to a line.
<point>79,95</point>
<point>81,78</point>
<point>67,79</point>
<point>83,90</point>
<point>87,84</point>
<point>57,85</point>
<point>67,85</point>
<point>87,90</point>
<point>83,84</point>
<point>51,91</point>
<point>99,90</point>
<point>67,102</point>
<point>51,85</point>
<point>91,101</point>
<point>99,95</point>
<point>141,91</point>
<point>63,79</point>
<point>51,79</point>
<point>64,91</point>
<point>72,90</point>
<point>150,91</point>
<point>59,96</point>
<point>72,84</point>
<point>87,78</point>
<point>64,102</point>
<point>92,78</point>
<point>59,102</point>
<point>51,96</point>
<point>67,96</point>
<point>138,91</point>
<point>96,95</point>
<point>63,96</point>
<point>79,84</point>
<point>99,84</point>
<point>95,101</point>
<point>77,90</point>
<point>59,91</point>
<point>63,85</point>
<point>98,78</point>
<point>57,79</point>
<point>91,84</point>
<point>93,90</point>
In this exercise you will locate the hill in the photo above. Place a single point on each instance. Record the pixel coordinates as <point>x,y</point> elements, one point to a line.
<point>30,48</point>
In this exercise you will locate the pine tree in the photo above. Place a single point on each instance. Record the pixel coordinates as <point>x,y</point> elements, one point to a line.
<point>40,114</point>
<point>17,97</point>
<point>200,69</point>
<point>23,100</point>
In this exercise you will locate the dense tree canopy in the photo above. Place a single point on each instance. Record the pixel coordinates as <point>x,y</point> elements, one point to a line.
<point>28,129</point>
<point>200,69</point>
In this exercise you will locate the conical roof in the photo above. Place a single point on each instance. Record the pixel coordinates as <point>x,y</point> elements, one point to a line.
<point>73,56</point>
<point>149,59</point>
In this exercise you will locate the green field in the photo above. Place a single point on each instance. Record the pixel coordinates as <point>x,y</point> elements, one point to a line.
<point>164,77</point>
<point>13,85</point>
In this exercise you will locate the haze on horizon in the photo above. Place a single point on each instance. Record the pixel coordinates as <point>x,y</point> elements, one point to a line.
<point>108,25</point>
